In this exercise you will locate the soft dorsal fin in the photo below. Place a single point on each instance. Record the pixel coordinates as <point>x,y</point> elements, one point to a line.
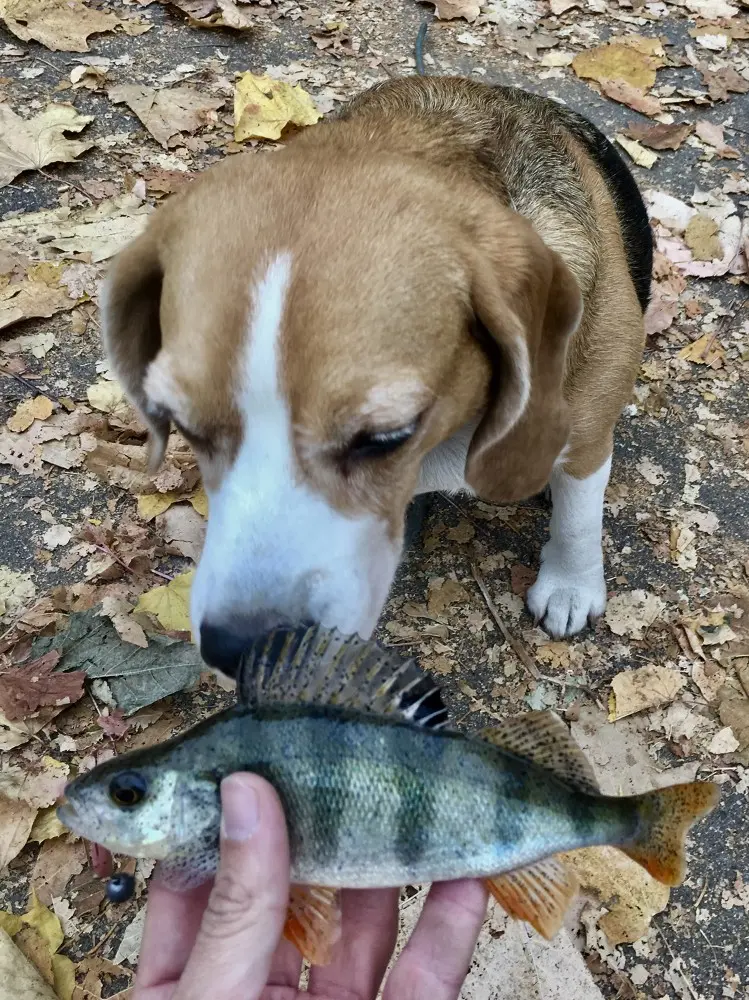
<point>543,738</point>
<point>318,666</point>
<point>539,894</point>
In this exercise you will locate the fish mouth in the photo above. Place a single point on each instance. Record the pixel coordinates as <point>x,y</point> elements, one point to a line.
<point>68,815</point>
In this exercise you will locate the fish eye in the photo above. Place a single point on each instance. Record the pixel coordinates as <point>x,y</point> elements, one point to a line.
<point>127,789</point>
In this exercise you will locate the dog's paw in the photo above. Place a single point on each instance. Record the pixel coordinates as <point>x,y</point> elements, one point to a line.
<point>563,600</point>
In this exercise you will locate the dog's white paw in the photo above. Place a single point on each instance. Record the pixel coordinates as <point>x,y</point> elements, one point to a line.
<point>563,599</point>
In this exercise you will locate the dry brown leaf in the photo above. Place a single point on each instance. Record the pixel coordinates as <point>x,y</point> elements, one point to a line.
<point>16,821</point>
<point>28,144</point>
<point>633,97</point>
<point>723,82</point>
<point>169,112</point>
<point>184,529</point>
<point>36,408</point>
<point>713,136</point>
<point>633,612</point>
<point>647,687</point>
<point>734,712</point>
<point>38,294</point>
<point>659,136</point>
<point>26,689</point>
<point>216,13</point>
<point>15,968</point>
<point>56,863</point>
<point>448,10</point>
<point>61,25</point>
<point>443,593</point>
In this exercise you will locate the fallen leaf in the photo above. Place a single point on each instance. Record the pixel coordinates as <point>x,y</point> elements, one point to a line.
<point>15,968</point>
<point>647,687</point>
<point>38,785</point>
<point>137,677</point>
<point>659,136</point>
<point>630,895</point>
<point>632,612</point>
<point>713,136</point>
<point>42,944</point>
<point>701,236</point>
<point>29,144</point>
<point>15,587</point>
<point>448,10</point>
<point>37,408</point>
<point>724,741</point>
<point>184,529</point>
<point>129,948</point>
<point>46,826</point>
<point>170,604</point>
<point>16,821</point>
<point>621,61</point>
<point>114,724</point>
<point>641,156</point>
<point>734,712</point>
<point>443,593</point>
<point>723,82</point>
<point>703,351</point>
<point>150,505</point>
<point>57,535</point>
<point>168,112</point>
<point>633,97</point>
<point>60,25</point>
<point>216,13</point>
<point>56,863</point>
<point>651,472</point>
<point>263,107</point>
<point>26,689</point>
<point>39,294</point>
<point>108,396</point>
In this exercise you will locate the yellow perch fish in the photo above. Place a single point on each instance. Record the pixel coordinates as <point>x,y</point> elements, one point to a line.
<point>377,791</point>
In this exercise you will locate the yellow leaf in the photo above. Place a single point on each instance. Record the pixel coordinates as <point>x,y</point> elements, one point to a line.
<point>46,826</point>
<point>45,922</point>
<point>263,107</point>
<point>106,395</point>
<point>703,351</point>
<point>150,505</point>
<point>64,972</point>
<point>619,61</point>
<point>20,978</point>
<point>170,605</point>
<point>642,157</point>
<point>38,408</point>
<point>199,500</point>
<point>11,923</point>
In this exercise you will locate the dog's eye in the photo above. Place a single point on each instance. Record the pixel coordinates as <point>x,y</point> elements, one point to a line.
<point>373,444</point>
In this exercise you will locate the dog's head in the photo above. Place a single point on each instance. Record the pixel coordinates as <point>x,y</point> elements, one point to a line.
<point>315,326</point>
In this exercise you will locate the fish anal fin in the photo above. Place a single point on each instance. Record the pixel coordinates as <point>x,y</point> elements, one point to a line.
<point>539,894</point>
<point>543,739</point>
<point>313,922</point>
<point>319,666</point>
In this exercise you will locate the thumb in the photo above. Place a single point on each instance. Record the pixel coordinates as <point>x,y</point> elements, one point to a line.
<point>246,910</point>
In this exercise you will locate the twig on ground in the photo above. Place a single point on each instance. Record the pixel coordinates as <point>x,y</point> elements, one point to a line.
<point>515,645</point>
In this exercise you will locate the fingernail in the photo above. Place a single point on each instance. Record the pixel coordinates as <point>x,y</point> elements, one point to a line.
<point>240,811</point>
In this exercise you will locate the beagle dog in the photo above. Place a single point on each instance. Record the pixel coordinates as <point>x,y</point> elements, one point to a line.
<point>441,289</point>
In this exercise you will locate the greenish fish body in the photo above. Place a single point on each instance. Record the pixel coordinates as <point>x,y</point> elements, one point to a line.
<point>376,790</point>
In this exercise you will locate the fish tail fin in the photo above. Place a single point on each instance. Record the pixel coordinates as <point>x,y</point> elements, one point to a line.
<point>665,818</point>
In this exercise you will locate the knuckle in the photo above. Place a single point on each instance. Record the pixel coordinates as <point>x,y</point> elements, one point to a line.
<point>233,908</point>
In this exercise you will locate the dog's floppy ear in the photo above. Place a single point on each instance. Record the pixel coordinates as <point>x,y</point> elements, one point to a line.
<point>527,304</point>
<point>130,306</point>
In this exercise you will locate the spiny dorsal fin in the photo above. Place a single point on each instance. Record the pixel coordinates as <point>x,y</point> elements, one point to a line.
<point>313,922</point>
<point>540,894</point>
<point>318,666</point>
<point>543,738</point>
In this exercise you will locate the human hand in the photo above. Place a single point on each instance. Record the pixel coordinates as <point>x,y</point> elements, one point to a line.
<point>223,941</point>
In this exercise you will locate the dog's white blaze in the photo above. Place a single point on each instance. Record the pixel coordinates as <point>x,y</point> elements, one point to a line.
<point>571,587</point>
<point>273,544</point>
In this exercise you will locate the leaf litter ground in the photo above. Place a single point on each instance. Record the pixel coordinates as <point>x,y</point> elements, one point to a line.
<point>95,562</point>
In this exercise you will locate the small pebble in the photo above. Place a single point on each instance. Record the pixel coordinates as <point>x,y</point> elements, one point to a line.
<point>120,887</point>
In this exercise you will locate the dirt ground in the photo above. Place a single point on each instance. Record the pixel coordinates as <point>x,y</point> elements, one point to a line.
<point>95,555</point>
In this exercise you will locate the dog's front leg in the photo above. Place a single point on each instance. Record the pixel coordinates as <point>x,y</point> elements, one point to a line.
<point>571,589</point>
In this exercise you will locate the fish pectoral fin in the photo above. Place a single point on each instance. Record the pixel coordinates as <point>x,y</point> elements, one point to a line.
<point>543,738</point>
<point>539,894</point>
<point>313,922</point>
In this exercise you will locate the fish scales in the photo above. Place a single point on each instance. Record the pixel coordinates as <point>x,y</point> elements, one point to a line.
<point>374,802</point>
<point>376,791</point>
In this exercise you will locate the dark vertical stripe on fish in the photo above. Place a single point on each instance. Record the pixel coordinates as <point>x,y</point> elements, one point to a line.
<point>417,803</point>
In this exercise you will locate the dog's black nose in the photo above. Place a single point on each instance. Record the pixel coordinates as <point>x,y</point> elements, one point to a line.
<point>223,643</point>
